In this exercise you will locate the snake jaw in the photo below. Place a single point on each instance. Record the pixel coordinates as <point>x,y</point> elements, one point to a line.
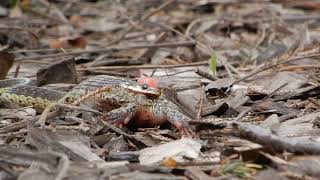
<point>142,89</point>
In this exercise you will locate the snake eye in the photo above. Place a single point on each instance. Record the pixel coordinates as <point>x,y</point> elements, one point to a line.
<point>144,86</point>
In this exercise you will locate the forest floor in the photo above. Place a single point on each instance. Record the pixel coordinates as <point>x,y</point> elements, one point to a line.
<point>245,74</point>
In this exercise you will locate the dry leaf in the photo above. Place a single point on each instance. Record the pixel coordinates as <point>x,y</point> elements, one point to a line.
<point>169,162</point>
<point>78,42</point>
<point>6,61</point>
<point>76,20</point>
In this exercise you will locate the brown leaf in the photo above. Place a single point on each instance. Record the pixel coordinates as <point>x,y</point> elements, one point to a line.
<point>78,42</point>
<point>67,73</point>
<point>76,20</point>
<point>6,61</point>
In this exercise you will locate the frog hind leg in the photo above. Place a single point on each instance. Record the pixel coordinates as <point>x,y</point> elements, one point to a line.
<point>180,121</point>
<point>121,115</point>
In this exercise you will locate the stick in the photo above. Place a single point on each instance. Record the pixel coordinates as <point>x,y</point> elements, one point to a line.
<point>116,48</point>
<point>202,63</point>
<point>274,65</point>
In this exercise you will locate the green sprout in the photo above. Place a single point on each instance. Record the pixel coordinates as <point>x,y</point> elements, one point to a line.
<point>213,64</point>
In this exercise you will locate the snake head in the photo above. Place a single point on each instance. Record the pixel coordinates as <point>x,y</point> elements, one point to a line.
<point>142,89</point>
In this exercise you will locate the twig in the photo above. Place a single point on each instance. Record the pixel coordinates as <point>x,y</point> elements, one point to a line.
<point>274,65</point>
<point>251,20</point>
<point>35,50</point>
<point>201,102</point>
<point>25,157</point>
<point>124,134</point>
<point>164,26</point>
<point>35,62</point>
<point>174,73</point>
<point>115,129</point>
<point>264,136</point>
<point>242,114</point>
<point>313,101</point>
<point>116,48</point>
<point>45,113</point>
<point>226,66</point>
<point>14,126</point>
<point>144,18</point>
<point>29,31</point>
<point>21,132</point>
<point>262,37</point>
<point>111,73</point>
<point>57,13</point>
<point>63,166</point>
<point>77,108</point>
<point>201,46</point>
<point>148,53</point>
<point>202,63</point>
<point>306,66</point>
<point>205,74</point>
<point>16,72</point>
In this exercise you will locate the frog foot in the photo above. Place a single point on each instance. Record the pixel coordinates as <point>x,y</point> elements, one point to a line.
<point>184,129</point>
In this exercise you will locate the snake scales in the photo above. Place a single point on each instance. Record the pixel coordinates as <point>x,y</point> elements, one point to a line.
<point>23,91</point>
<point>146,105</point>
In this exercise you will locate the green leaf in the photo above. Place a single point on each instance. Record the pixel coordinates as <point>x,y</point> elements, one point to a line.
<point>213,64</point>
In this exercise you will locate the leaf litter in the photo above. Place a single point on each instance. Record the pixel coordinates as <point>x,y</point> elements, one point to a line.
<point>246,73</point>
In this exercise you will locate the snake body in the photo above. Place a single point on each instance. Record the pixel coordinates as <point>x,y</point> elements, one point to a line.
<point>126,99</point>
<point>22,91</point>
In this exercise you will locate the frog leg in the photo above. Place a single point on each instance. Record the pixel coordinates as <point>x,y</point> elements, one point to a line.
<point>121,115</point>
<point>164,109</point>
<point>180,121</point>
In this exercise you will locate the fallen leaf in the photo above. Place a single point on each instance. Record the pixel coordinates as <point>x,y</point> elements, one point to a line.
<point>78,42</point>
<point>6,61</point>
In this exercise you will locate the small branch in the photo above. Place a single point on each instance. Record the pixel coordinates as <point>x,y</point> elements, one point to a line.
<point>275,65</point>
<point>226,66</point>
<point>14,134</point>
<point>144,18</point>
<point>315,102</point>
<point>116,48</point>
<point>36,50</point>
<point>243,113</point>
<point>202,63</point>
<point>306,66</point>
<point>13,28</point>
<point>120,132</point>
<point>201,102</point>
<point>264,136</point>
<point>63,166</point>
<point>115,129</point>
<point>45,113</point>
<point>205,74</point>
